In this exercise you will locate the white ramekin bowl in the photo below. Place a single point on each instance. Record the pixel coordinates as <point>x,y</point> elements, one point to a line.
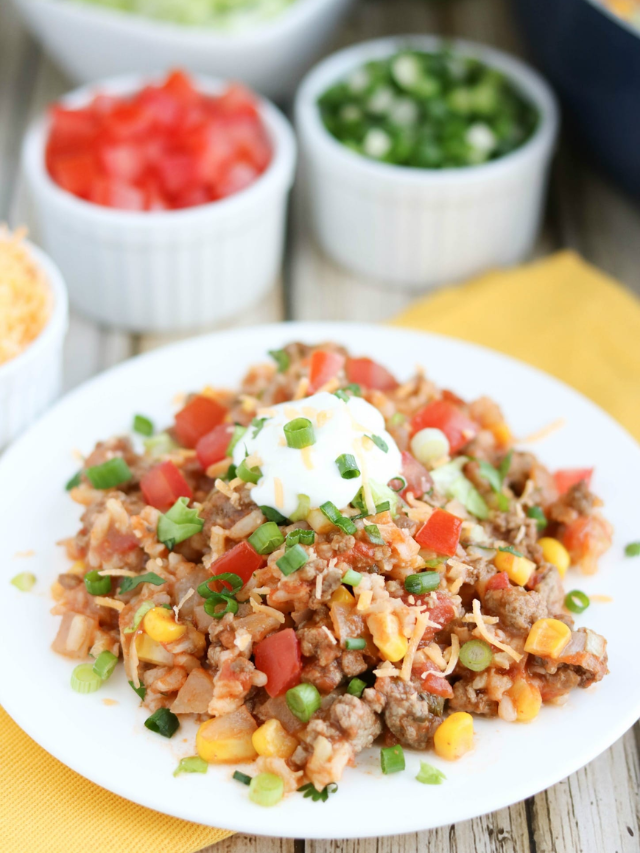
<point>32,380</point>
<point>90,43</point>
<point>166,270</point>
<point>418,227</point>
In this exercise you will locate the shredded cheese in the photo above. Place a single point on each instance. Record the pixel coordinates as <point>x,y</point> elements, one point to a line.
<point>302,389</point>
<point>306,458</point>
<point>455,653</point>
<point>117,573</point>
<point>258,607</point>
<point>279,491</point>
<point>387,670</point>
<point>223,487</point>
<point>434,653</point>
<point>329,635</point>
<point>488,620</point>
<point>544,432</point>
<point>416,636</point>
<point>108,602</point>
<point>134,661</point>
<point>319,587</point>
<point>185,597</point>
<point>488,636</point>
<point>364,599</point>
<point>601,599</point>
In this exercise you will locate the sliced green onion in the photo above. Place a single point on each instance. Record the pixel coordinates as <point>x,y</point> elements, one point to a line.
<point>538,513</point>
<point>139,615</point>
<point>272,514</point>
<point>230,474</point>
<point>345,524</point>
<point>379,442</point>
<point>476,655</point>
<point>235,582</point>
<point>438,561</point>
<point>258,423</point>
<point>25,581</point>
<point>74,482</point>
<point>111,473</point>
<point>292,560</point>
<point>430,775</point>
<point>351,577</point>
<point>178,524</point>
<point>302,537</point>
<point>383,507</point>
<point>576,601</point>
<point>355,644</point>
<point>266,538</point>
<point>127,584</point>
<point>104,664</point>
<point>303,701</point>
<point>193,764</point>
<point>141,691</point>
<point>352,389</point>
<point>97,584</point>
<point>249,475</point>
<point>380,494</point>
<point>163,722</point>
<point>424,582</point>
<point>215,600</point>
<point>632,549</point>
<point>84,679</point>
<point>347,466</point>
<point>309,791</point>
<point>299,433</point>
<point>397,419</point>
<point>242,777</point>
<point>159,445</point>
<point>373,532</point>
<point>503,502</point>
<point>392,759</point>
<point>302,510</point>
<point>509,549</point>
<point>142,425</point>
<point>398,484</point>
<point>266,789</point>
<point>281,359</point>
<point>341,394</point>
<point>356,687</point>
<point>238,432</point>
<point>505,465</point>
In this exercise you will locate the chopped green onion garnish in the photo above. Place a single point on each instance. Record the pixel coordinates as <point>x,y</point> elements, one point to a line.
<point>272,514</point>
<point>299,433</point>
<point>281,359</point>
<point>373,532</point>
<point>238,432</point>
<point>505,465</point>
<point>74,482</point>
<point>215,600</point>
<point>303,701</point>
<point>193,764</point>
<point>351,577</point>
<point>424,582</point>
<point>104,664</point>
<point>141,691</point>
<point>392,759</point>
<point>231,473</point>
<point>178,524</point>
<point>309,791</point>
<point>430,775</point>
<point>538,513</point>
<point>302,510</point>
<point>302,537</point>
<point>345,524</point>
<point>266,538</point>
<point>356,687</point>
<point>397,419</point>
<point>25,581</point>
<point>258,423</point>
<point>509,549</point>
<point>127,584</point>
<point>503,502</point>
<point>292,560</point>
<point>576,601</point>
<point>347,466</point>
<point>266,789</point>
<point>438,561</point>
<point>383,507</point>
<point>379,442</point>
<point>344,393</point>
<point>355,644</point>
<point>96,584</point>
<point>84,679</point>
<point>398,484</point>
<point>111,473</point>
<point>476,655</point>
<point>139,615</point>
<point>490,474</point>
<point>234,581</point>
<point>249,475</point>
<point>242,777</point>
<point>380,494</point>
<point>632,549</point>
<point>142,425</point>
<point>163,722</point>
<point>159,445</point>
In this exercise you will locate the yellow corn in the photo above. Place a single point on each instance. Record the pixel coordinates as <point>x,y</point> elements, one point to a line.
<point>226,739</point>
<point>526,700</point>
<point>385,630</point>
<point>272,741</point>
<point>548,638</point>
<point>502,434</point>
<point>319,521</point>
<point>342,596</point>
<point>160,624</point>
<point>79,567</point>
<point>555,553</point>
<point>519,569</point>
<point>454,736</point>
<point>150,651</point>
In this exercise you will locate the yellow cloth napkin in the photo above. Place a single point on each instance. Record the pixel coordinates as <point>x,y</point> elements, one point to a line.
<point>559,314</point>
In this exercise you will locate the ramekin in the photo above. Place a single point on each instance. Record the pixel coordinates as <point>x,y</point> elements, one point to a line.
<point>32,380</point>
<point>417,228</point>
<point>165,271</point>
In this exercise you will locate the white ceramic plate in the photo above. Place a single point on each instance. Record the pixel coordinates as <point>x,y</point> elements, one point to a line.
<point>109,744</point>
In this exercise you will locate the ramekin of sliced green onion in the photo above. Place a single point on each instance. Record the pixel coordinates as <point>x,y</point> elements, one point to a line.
<point>446,145</point>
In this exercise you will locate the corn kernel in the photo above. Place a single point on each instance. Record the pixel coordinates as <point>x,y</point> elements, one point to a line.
<point>548,638</point>
<point>519,569</point>
<point>161,626</point>
<point>502,434</point>
<point>454,736</point>
<point>150,651</point>
<point>272,741</point>
<point>555,553</point>
<point>227,739</point>
<point>526,700</point>
<point>385,630</point>
<point>342,596</point>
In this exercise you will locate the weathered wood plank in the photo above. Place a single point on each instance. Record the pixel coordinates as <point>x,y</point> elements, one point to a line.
<point>252,844</point>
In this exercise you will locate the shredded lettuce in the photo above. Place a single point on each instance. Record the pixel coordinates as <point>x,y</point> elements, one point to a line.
<point>450,480</point>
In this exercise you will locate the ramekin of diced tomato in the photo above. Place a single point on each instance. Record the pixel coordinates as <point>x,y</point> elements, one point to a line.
<point>163,201</point>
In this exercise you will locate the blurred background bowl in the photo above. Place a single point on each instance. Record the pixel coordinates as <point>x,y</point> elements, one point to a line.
<point>593,59</point>
<point>92,42</point>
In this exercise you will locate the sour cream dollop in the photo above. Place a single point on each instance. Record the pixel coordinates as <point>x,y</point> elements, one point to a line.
<point>340,427</point>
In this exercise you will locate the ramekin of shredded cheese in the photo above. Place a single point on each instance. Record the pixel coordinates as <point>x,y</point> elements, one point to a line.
<point>33,322</point>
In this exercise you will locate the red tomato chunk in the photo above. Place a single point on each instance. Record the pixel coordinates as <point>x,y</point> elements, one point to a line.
<point>569,477</point>
<point>324,366</point>
<point>212,447</point>
<point>243,560</point>
<point>278,656</point>
<point>370,374</point>
<point>164,148</point>
<point>498,581</point>
<point>418,478</point>
<point>163,485</point>
<point>447,417</point>
<point>199,416</point>
<point>441,533</point>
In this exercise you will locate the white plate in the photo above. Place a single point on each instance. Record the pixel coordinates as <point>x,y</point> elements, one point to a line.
<point>109,744</point>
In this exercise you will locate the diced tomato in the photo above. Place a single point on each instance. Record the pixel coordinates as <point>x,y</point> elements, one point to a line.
<point>447,417</point>
<point>212,447</point>
<point>324,366</point>
<point>163,485</point>
<point>116,543</point>
<point>113,193</point>
<point>76,173</point>
<point>441,533</point>
<point>278,657</point>
<point>586,539</point>
<point>370,374</point>
<point>568,477</point>
<point>124,162</point>
<point>362,554</point>
<point>243,560</point>
<point>418,478</point>
<point>498,581</point>
<point>199,416</point>
<point>440,613</point>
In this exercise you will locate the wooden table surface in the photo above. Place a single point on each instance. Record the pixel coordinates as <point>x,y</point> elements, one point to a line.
<point>597,810</point>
